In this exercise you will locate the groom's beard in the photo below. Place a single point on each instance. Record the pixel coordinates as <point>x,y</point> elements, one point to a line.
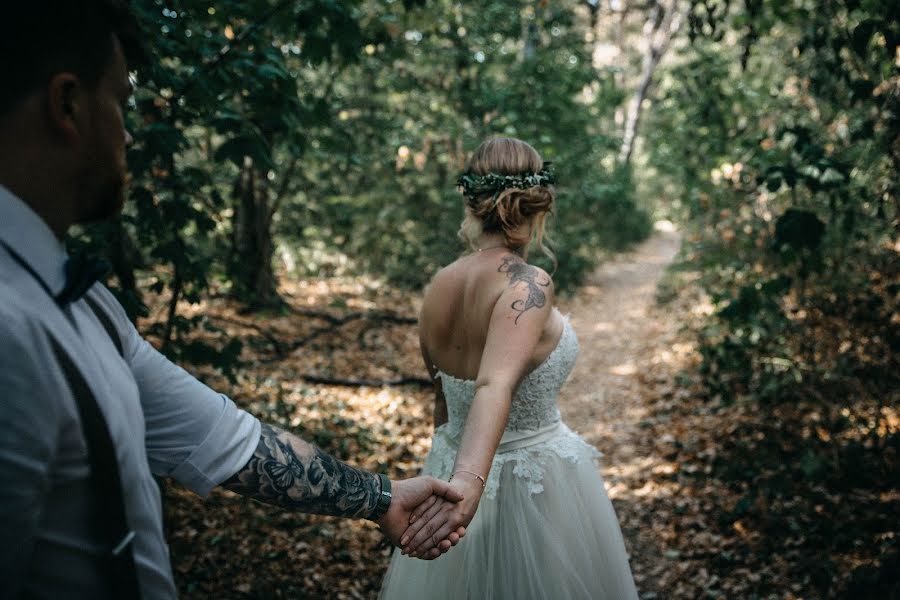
<point>108,198</point>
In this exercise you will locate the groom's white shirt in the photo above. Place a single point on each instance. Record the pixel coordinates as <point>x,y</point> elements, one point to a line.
<point>161,419</point>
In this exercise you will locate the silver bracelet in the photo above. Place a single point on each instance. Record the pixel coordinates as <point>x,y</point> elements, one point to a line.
<point>476,475</point>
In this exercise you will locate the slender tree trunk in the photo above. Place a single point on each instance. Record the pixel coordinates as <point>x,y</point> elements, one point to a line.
<point>663,24</point>
<point>124,257</point>
<point>531,33</point>
<point>177,287</point>
<point>265,285</point>
<point>253,247</point>
<point>594,9</point>
<point>250,267</point>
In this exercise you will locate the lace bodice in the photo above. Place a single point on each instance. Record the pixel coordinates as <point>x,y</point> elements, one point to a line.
<point>533,429</point>
<point>534,404</point>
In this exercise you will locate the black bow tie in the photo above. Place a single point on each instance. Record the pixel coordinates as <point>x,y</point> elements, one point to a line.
<point>82,272</point>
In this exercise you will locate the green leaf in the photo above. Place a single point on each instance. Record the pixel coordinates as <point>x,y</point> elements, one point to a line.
<point>237,148</point>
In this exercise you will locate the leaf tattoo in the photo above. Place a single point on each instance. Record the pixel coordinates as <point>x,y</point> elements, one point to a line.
<point>521,272</point>
<point>289,472</point>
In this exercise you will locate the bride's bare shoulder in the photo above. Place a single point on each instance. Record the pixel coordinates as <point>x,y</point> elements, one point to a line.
<point>441,290</point>
<point>446,277</point>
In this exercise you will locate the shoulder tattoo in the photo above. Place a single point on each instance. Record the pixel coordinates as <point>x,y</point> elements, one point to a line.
<point>518,272</point>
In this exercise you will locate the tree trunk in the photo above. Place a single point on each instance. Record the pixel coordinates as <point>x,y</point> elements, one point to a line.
<point>659,29</point>
<point>250,267</point>
<point>530,32</point>
<point>123,255</point>
<point>169,330</point>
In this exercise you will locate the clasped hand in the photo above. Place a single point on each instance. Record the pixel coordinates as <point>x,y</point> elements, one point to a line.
<point>431,524</point>
<point>413,498</point>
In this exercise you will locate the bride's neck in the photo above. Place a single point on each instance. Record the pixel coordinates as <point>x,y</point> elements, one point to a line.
<point>492,241</point>
<point>489,241</point>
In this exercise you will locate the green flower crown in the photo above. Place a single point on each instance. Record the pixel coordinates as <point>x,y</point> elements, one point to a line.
<point>493,183</point>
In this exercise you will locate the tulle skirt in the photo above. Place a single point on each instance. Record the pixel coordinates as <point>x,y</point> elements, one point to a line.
<point>562,542</point>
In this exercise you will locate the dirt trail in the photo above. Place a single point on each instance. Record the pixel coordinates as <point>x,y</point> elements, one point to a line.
<point>606,399</point>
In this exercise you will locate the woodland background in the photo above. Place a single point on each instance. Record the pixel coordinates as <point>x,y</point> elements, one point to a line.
<point>294,166</point>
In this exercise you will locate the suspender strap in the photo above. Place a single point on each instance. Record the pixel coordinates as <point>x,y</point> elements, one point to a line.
<point>107,323</point>
<point>105,478</point>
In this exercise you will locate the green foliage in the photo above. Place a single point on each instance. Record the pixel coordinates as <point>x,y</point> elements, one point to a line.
<point>218,91</point>
<point>779,127</point>
<point>342,126</point>
<point>784,140</point>
<point>601,214</point>
<point>381,174</point>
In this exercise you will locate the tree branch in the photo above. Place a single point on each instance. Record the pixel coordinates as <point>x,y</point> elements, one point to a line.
<point>238,39</point>
<point>659,29</point>
<point>282,189</point>
<point>402,380</point>
<point>342,320</point>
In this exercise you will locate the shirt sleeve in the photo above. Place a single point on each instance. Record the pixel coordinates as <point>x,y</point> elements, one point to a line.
<point>29,435</point>
<point>195,435</point>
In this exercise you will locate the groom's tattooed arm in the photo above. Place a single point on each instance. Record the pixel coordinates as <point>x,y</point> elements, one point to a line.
<point>519,271</point>
<point>295,474</point>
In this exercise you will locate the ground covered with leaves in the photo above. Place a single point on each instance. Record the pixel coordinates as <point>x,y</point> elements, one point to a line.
<point>721,495</point>
<point>716,499</point>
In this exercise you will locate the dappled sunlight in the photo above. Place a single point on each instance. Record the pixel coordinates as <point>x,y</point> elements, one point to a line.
<point>603,326</point>
<point>642,478</point>
<point>665,226</point>
<point>703,308</point>
<point>357,292</point>
<point>678,355</point>
<point>623,369</point>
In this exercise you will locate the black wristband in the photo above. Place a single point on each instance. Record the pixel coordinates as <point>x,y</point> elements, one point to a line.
<point>384,498</point>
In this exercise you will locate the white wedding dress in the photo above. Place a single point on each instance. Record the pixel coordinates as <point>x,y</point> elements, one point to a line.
<point>545,528</point>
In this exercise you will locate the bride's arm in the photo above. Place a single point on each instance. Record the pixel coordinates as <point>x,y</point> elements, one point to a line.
<point>516,325</point>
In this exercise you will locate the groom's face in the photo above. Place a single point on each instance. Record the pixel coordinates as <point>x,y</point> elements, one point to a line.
<point>104,170</point>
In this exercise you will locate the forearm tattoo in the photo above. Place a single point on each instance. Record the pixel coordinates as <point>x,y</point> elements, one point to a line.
<point>295,474</point>
<point>521,272</point>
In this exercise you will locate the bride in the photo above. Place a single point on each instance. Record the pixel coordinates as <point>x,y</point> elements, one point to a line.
<point>538,520</point>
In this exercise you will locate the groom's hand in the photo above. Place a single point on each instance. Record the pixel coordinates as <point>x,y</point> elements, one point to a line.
<point>431,524</point>
<point>410,494</point>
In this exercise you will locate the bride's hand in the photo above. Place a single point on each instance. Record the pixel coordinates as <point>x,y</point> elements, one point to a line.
<point>438,522</point>
<point>419,494</point>
<point>433,546</point>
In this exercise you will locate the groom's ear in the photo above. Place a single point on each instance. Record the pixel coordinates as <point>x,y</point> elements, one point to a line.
<point>66,106</point>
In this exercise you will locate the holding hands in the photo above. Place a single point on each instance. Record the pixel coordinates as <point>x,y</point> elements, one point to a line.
<point>411,499</point>
<point>431,524</point>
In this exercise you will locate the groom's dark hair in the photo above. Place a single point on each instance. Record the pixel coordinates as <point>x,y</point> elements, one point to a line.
<point>40,38</point>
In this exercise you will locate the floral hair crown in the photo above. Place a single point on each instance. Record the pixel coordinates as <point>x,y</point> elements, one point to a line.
<point>493,183</point>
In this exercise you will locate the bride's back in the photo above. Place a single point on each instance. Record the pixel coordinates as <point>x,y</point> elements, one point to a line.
<point>457,308</point>
<point>508,193</point>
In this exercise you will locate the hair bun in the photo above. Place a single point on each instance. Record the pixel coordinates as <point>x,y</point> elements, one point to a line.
<point>510,209</point>
<point>508,190</point>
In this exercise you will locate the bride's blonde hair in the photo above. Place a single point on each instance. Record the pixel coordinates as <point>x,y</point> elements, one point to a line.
<point>506,211</point>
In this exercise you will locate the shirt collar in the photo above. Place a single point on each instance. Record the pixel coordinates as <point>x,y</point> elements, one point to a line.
<point>33,240</point>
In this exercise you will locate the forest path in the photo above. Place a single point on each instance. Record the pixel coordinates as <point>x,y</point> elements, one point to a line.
<point>623,337</point>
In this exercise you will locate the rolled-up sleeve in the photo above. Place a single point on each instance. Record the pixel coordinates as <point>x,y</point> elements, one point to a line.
<point>195,435</point>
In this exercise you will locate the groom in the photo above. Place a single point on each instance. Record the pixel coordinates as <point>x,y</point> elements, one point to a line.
<point>89,411</point>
